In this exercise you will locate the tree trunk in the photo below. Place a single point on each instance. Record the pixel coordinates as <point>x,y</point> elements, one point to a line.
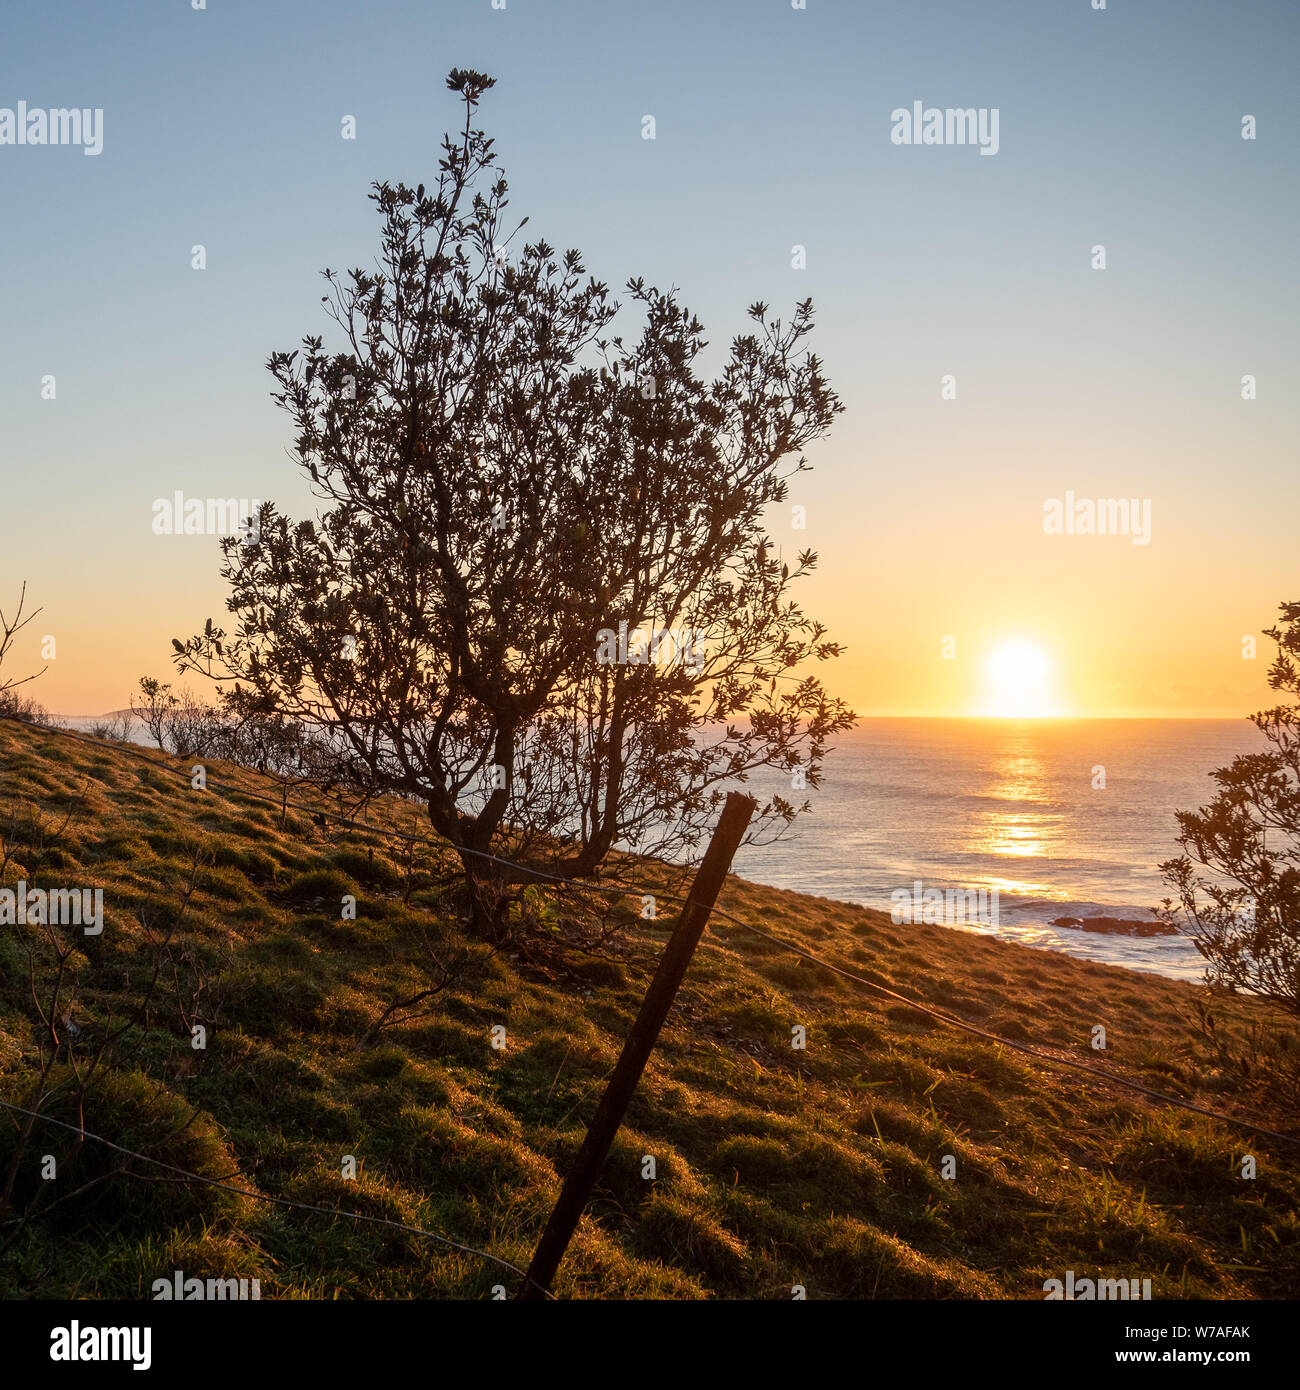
<point>486,910</point>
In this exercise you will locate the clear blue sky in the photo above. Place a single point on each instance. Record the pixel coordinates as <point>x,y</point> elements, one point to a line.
<point>221,127</point>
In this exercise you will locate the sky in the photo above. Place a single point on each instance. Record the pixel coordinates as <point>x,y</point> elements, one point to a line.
<point>1119,128</point>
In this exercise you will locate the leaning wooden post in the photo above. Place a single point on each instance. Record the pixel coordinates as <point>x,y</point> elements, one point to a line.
<point>640,1040</point>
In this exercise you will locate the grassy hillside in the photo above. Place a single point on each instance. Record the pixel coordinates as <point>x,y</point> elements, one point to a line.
<point>775,1166</point>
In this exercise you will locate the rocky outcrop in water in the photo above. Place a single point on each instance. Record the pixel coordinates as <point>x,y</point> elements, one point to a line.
<point>1116,926</point>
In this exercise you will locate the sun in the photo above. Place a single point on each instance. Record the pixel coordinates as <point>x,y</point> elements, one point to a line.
<point>1018,681</point>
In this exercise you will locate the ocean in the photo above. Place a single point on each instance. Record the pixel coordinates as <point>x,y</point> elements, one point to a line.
<point>973,804</point>
<point>1009,805</point>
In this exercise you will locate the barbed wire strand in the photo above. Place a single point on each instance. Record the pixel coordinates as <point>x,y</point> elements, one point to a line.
<point>269,1197</point>
<point>1106,1077</point>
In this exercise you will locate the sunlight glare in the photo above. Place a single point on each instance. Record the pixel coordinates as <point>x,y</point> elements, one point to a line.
<point>1018,681</point>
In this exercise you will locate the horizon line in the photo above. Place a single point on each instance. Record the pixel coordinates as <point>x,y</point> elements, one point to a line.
<point>970,718</point>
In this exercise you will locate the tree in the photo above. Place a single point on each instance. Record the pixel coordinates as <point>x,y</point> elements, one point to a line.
<point>514,491</point>
<point>153,708</point>
<point>11,704</point>
<point>1245,916</point>
<point>282,749</point>
<point>180,724</point>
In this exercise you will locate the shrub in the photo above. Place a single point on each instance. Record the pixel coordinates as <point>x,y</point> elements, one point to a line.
<point>134,1111</point>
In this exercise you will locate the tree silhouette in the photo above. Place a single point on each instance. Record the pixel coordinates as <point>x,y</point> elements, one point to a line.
<point>514,490</point>
<point>10,627</point>
<point>1245,916</point>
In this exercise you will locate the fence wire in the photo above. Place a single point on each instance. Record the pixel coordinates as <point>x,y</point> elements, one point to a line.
<point>609,889</point>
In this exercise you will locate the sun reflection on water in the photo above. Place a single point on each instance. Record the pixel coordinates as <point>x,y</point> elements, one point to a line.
<point>1018,828</point>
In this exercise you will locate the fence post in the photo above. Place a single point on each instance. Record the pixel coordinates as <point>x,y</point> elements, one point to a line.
<point>640,1041</point>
